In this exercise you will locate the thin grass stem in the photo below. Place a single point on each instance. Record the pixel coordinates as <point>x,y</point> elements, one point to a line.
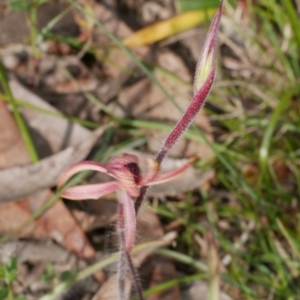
<point>18,117</point>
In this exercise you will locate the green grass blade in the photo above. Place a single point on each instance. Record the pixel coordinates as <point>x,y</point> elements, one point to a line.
<point>46,29</point>
<point>281,55</point>
<point>188,5</point>
<point>267,138</point>
<point>294,19</point>
<point>182,258</point>
<point>18,118</point>
<point>291,241</point>
<point>171,283</point>
<point>20,103</point>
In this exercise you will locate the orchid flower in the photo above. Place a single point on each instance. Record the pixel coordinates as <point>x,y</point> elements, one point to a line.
<point>128,181</point>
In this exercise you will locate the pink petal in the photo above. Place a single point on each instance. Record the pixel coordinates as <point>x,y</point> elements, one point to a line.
<point>154,168</point>
<point>126,180</point>
<point>125,169</point>
<point>171,175</point>
<point>124,159</point>
<point>79,167</point>
<point>129,219</point>
<point>90,191</point>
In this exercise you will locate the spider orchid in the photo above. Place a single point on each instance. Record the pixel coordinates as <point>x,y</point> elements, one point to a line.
<point>128,181</point>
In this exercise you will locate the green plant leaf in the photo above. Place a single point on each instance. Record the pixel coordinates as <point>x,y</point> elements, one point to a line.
<point>3,293</point>
<point>188,5</point>
<point>11,270</point>
<point>68,275</point>
<point>49,273</point>
<point>40,2</point>
<point>19,5</point>
<point>2,272</point>
<point>12,264</point>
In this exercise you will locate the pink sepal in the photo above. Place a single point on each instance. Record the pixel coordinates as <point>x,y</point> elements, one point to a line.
<point>90,191</point>
<point>129,219</point>
<point>171,175</point>
<point>79,167</point>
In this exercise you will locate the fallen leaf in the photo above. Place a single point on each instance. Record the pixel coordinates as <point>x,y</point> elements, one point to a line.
<point>62,133</point>
<point>27,177</point>
<point>98,214</point>
<point>57,222</point>
<point>12,148</point>
<point>167,28</point>
<point>70,143</point>
<point>114,60</point>
<point>110,289</point>
<point>33,251</point>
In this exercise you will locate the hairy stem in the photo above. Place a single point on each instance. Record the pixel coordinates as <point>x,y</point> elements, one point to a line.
<point>188,117</point>
<point>135,277</point>
<point>140,198</point>
<point>185,121</point>
<point>122,260</point>
<point>125,258</point>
